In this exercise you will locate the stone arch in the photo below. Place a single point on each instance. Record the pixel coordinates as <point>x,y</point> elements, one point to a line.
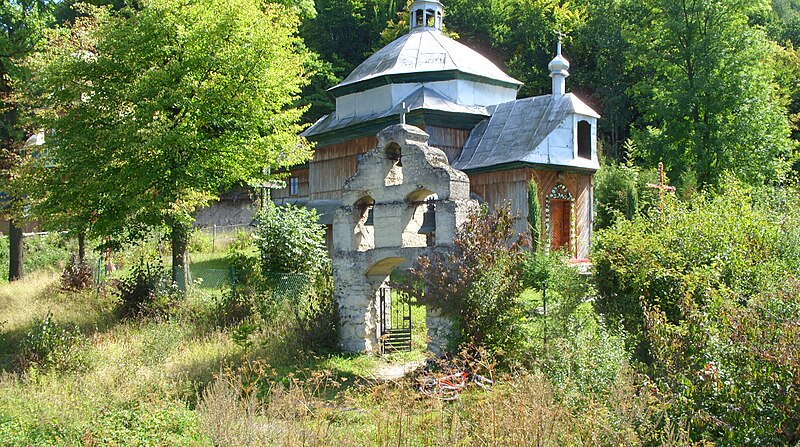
<point>412,216</point>
<point>559,218</point>
<point>394,156</point>
<point>363,231</point>
<point>384,267</point>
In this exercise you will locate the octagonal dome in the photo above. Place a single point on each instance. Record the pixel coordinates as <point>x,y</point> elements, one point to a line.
<point>423,54</point>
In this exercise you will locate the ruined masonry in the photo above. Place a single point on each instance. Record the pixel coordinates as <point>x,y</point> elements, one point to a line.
<point>392,184</point>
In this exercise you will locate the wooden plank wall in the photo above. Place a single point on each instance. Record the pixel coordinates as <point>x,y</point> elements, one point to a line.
<point>334,164</point>
<point>451,141</point>
<point>512,186</point>
<point>283,193</point>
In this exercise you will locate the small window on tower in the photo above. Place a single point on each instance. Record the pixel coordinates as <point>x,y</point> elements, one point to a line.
<point>429,18</point>
<point>294,186</point>
<point>584,139</point>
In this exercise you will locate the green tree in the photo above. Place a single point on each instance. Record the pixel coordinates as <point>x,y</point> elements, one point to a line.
<point>21,25</point>
<point>155,111</point>
<point>708,99</point>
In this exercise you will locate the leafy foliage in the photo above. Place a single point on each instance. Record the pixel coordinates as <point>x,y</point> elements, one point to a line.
<point>708,293</point>
<point>152,112</point>
<point>622,191</point>
<point>77,275</point>
<point>743,239</point>
<point>709,101</point>
<point>52,345</point>
<point>290,240</point>
<point>147,290</point>
<point>728,369</point>
<point>478,281</point>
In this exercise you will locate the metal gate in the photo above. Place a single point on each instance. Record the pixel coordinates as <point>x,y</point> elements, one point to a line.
<point>395,320</point>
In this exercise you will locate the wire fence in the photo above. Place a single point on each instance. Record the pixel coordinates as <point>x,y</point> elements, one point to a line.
<point>283,286</point>
<point>221,235</point>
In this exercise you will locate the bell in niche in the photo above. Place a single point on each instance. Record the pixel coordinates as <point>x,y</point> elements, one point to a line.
<point>370,218</point>
<point>428,220</point>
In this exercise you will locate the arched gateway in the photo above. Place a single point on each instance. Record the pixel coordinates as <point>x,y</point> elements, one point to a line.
<point>401,180</point>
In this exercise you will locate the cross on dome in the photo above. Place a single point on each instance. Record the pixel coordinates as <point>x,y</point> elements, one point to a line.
<point>559,67</point>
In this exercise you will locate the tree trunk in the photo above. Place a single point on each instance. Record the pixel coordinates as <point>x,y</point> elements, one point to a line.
<point>81,247</point>
<point>179,240</point>
<point>16,253</point>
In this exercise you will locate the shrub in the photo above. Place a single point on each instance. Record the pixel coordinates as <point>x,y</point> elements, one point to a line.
<point>77,276</point>
<point>478,282</point>
<point>147,290</point>
<point>708,290</point>
<point>730,370</point>
<point>741,239</point>
<point>199,242</point>
<point>290,240</point>
<point>51,345</point>
<point>622,191</point>
<point>293,297</point>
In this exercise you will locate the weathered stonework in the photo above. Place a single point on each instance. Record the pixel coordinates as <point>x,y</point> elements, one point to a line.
<point>393,180</point>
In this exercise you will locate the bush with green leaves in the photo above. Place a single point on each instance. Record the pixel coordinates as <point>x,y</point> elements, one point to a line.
<point>50,345</point>
<point>284,289</point>
<point>743,239</point>
<point>565,338</point>
<point>478,281</point>
<point>728,369</point>
<point>709,292</point>
<point>622,191</point>
<point>290,240</point>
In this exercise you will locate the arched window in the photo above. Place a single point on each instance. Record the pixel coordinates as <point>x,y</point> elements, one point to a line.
<point>584,139</point>
<point>394,155</point>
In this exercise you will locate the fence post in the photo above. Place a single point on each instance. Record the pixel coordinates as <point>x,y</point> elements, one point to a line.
<point>214,239</point>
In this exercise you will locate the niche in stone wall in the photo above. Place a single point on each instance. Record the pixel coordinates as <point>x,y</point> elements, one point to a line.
<point>417,204</point>
<point>363,224</point>
<point>394,156</point>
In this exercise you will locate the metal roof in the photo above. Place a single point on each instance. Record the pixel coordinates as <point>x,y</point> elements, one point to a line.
<point>515,131</point>
<point>422,98</point>
<point>425,50</point>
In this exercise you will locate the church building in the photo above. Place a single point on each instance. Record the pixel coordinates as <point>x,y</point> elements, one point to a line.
<point>469,109</point>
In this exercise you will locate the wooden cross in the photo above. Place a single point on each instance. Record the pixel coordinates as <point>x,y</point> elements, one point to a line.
<point>662,186</point>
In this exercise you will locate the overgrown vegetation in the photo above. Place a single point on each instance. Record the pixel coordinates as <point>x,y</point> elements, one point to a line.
<point>477,282</point>
<point>707,291</point>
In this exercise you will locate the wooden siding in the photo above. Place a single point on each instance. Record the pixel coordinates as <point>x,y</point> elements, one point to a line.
<point>512,186</point>
<point>450,141</point>
<point>302,176</point>
<point>334,164</point>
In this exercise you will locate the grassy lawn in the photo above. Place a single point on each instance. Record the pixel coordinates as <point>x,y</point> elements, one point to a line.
<point>179,378</point>
<point>140,382</point>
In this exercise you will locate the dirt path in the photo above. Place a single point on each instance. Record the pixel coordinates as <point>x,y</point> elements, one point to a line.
<point>394,371</point>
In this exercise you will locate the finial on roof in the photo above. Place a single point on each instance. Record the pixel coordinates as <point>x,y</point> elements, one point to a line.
<point>559,67</point>
<point>425,14</point>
